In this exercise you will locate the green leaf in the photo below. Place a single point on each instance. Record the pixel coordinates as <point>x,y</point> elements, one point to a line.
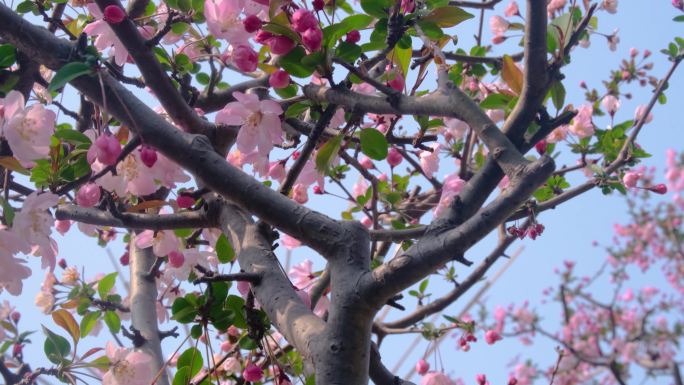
<point>112,320</point>
<point>334,32</point>
<point>224,250</point>
<point>292,63</point>
<point>326,154</point>
<point>192,359</point>
<point>376,8</point>
<point>679,18</point>
<point>236,304</point>
<point>106,284</point>
<point>67,73</point>
<point>88,322</point>
<point>282,30</point>
<point>247,343</point>
<point>26,7</point>
<point>183,311</point>
<point>7,212</point>
<point>56,347</point>
<point>72,136</point>
<point>182,376</point>
<point>348,52</point>
<point>431,29</point>
<point>7,55</point>
<point>373,144</point>
<point>496,101</point>
<point>557,94</point>
<point>402,57</point>
<point>423,285</point>
<point>447,16</point>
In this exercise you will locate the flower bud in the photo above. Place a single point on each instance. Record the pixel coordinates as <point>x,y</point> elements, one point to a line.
<point>114,14</point>
<point>88,195</point>
<point>422,367</point>
<point>279,79</point>
<point>148,156</point>
<point>353,36</point>
<point>252,23</point>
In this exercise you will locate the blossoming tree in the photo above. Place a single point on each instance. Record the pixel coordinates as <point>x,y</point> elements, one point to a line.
<point>362,104</point>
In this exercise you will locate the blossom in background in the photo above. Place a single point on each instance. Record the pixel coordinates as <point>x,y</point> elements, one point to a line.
<point>163,242</point>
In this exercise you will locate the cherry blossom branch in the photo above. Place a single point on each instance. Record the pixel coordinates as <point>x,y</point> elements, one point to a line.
<point>535,74</point>
<point>443,302</point>
<point>137,221</point>
<point>155,76</point>
<point>193,152</point>
<point>305,154</point>
<point>284,307</point>
<point>252,278</point>
<point>436,249</point>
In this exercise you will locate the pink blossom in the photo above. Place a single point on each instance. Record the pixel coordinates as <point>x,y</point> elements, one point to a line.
<point>359,188</point>
<point>191,258</point>
<point>366,163</point>
<point>610,5</point>
<point>303,19</point>
<point>630,179</point>
<point>27,130</point>
<point>498,25</point>
<point>106,149</point>
<point>223,20</point>
<point>450,188</point>
<point>114,14</point>
<point>395,79</point>
<point>613,40</point>
<point>289,242</point>
<point>176,259</point>
<point>259,121</point>
<point>367,222</point>
<point>13,270</point>
<point>555,5</point>
<point>88,195</point>
<point>62,226</point>
<point>408,6</point>
<point>231,365</point>
<point>492,336</point>
<point>252,23</point>
<point>34,222</point>
<point>429,160</point>
<point>148,156</point>
<point>127,367</point>
<point>280,45</point>
<point>582,125</point>
<point>245,58</point>
<point>312,38</point>
<point>394,157</point>
<point>252,373</point>
<point>299,193</point>
<point>106,38</point>
<point>279,79</point>
<point>44,301</point>
<point>301,274</point>
<point>639,114</point>
<point>162,242</point>
<point>611,104</point>
<point>512,9</point>
<point>436,378</point>
<point>422,367</point>
<point>454,129</point>
<point>276,171</point>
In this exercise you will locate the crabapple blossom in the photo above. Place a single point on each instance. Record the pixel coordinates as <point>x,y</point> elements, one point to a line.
<point>279,79</point>
<point>26,129</point>
<point>106,150</point>
<point>245,58</point>
<point>252,373</point>
<point>88,195</point>
<point>259,121</point>
<point>582,125</point>
<point>127,367</point>
<point>223,20</point>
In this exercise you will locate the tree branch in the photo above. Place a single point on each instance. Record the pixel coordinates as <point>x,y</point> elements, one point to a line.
<point>144,307</point>
<point>136,221</point>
